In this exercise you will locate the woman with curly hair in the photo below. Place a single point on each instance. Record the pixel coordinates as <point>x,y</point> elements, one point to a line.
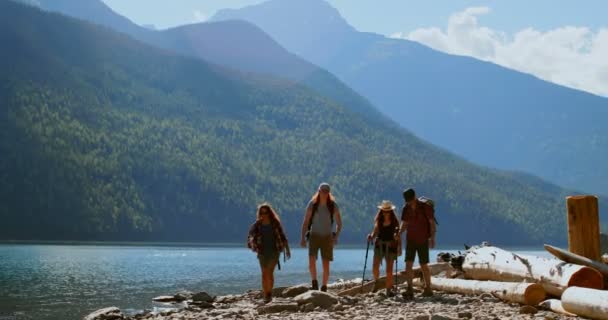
<point>268,240</point>
<point>387,242</point>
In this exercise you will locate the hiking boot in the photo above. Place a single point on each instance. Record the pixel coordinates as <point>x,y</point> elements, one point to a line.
<point>427,293</point>
<point>324,288</point>
<point>408,294</point>
<point>267,298</point>
<point>390,292</point>
<point>315,285</point>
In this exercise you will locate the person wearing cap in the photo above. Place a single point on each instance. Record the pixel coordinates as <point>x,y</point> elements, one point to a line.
<point>418,220</point>
<point>321,212</point>
<point>387,241</point>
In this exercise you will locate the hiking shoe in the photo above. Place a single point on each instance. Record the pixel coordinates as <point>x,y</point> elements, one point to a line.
<point>408,294</point>
<point>389,292</point>
<point>427,293</point>
<point>315,285</point>
<point>324,288</point>
<point>267,298</point>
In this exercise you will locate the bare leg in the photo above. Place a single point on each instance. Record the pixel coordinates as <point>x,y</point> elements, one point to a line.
<point>426,273</point>
<point>325,271</point>
<point>312,267</point>
<point>389,272</point>
<point>376,268</point>
<point>271,276</point>
<point>264,282</point>
<point>409,275</point>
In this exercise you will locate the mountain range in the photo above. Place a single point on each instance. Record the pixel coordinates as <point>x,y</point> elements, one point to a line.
<point>486,113</point>
<point>106,137</point>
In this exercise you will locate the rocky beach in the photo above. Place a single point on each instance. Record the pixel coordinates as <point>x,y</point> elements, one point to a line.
<point>299,302</point>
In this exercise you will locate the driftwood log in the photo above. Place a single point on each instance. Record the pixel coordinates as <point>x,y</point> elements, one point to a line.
<point>577,259</point>
<point>524,293</point>
<point>555,306</point>
<point>492,263</point>
<point>585,302</point>
<point>398,278</point>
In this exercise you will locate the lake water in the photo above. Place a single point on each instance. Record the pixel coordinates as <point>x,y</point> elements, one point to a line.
<point>63,282</point>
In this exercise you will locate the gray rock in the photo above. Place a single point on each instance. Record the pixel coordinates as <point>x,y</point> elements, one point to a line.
<point>465,315</point>
<point>111,313</point>
<point>528,310</point>
<point>278,291</point>
<point>202,296</point>
<point>294,291</point>
<point>317,298</point>
<point>164,299</point>
<point>422,317</point>
<point>309,307</point>
<point>337,307</point>
<point>203,304</point>
<point>183,295</point>
<point>441,317</point>
<point>278,307</point>
<point>349,301</point>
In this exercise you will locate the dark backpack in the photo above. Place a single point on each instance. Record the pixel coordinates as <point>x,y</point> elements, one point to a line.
<point>431,203</point>
<point>315,207</point>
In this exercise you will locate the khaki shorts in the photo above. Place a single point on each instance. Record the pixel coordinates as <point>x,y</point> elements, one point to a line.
<point>325,243</point>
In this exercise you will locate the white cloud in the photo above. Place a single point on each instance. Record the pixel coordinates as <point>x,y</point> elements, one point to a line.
<point>576,57</point>
<point>199,16</point>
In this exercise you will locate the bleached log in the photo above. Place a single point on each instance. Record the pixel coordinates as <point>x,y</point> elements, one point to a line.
<point>586,302</point>
<point>492,263</point>
<point>399,277</point>
<point>555,306</point>
<point>577,259</point>
<point>524,293</point>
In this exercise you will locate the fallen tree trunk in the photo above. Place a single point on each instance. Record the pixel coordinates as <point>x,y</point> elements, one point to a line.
<point>524,293</point>
<point>399,277</point>
<point>555,306</point>
<point>492,263</point>
<point>585,302</point>
<point>577,259</point>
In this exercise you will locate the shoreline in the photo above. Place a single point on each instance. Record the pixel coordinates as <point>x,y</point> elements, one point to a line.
<point>447,247</point>
<point>298,302</point>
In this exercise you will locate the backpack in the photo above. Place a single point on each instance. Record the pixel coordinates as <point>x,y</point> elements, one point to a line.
<point>315,206</point>
<point>431,203</point>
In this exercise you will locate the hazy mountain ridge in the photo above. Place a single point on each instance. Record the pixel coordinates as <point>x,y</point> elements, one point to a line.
<point>486,113</point>
<point>111,139</point>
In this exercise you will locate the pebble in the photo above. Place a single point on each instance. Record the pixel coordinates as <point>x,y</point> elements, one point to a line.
<point>528,310</point>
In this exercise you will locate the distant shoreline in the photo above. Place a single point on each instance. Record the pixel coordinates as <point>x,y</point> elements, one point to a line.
<point>448,247</point>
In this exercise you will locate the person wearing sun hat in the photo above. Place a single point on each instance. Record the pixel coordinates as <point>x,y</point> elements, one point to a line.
<point>317,227</point>
<point>387,242</point>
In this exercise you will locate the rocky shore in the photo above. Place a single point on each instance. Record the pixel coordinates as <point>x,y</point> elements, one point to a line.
<point>300,303</point>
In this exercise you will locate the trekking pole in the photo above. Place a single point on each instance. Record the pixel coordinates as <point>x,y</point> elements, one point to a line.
<point>397,261</point>
<point>365,265</point>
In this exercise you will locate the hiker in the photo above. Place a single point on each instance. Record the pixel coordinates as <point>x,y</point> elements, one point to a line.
<point>267,239</point>
<point>321,212</point>
<point>387,240</point>
<point>418,220</point>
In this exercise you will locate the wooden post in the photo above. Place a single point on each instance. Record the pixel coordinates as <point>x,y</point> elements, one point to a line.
<point>584,226</point>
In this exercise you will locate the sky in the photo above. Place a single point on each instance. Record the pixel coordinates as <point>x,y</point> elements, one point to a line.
<point>563,41</point>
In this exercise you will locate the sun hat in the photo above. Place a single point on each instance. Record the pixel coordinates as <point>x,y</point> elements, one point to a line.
<point>324,187</point>
<point>386,205</point>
